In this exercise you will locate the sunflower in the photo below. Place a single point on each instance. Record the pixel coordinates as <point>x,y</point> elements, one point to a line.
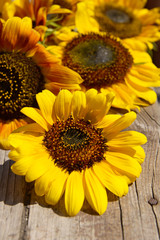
<point>40,11</point>
<point>128,20</point>
<point>75,147</point>
<point>26,68</point>
<point>108,65</point>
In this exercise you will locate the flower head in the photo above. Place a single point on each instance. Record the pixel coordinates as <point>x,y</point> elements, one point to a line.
<point>38,10</point>
<point>108,65</point>
<point>75,147</point>
<point>128,20</point>
<point>26,68</point>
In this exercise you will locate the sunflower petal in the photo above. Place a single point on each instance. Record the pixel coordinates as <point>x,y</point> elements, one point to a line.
<point>74,194</point>
<point>46,101</point>
<point>38,167</point>
<point>21,166</point>
<point>98,105</point>
<point>128,138</point>
<point>78,104</point>
<point>36,115</point>
<point>82,16</point>
<point>116,184</point>
<point>114,128</point>
<point>123,162</point>
<point>62,105</point>
<point>108,120</point>
<point>56,189</point>
<point>17,140</point>
<point>16,33</point>
<point>95,192</point>
<point>43,183</point>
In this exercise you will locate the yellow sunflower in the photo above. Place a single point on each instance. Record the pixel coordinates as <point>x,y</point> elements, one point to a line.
<point>37,10</point>
<point>75,147</point>
<point>26,68</point>
<point>108,65</point>
<point>128,20</point>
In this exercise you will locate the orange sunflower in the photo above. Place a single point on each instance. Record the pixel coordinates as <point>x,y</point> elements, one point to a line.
<point>37,10</point>
<point>26,68</point>
<point>126,19</point>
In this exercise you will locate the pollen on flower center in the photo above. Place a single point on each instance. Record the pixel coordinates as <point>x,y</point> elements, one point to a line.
<point>118,16</point>
<point>74,138</point>
<point>75,145</point>
<point>100,60</point>
<point>20,80</point>
<point>92,52</point>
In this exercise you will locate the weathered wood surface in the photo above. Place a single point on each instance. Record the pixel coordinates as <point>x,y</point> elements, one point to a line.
<point>135,216</point>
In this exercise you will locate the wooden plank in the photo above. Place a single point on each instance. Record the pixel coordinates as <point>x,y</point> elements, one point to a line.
<point>11,200</point>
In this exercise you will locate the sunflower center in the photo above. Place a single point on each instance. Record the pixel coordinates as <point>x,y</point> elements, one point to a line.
<point>20,80</point>
<point>91,53</point>
<point>74,137</point>
<point>75,145</point>
<point>100,60</point>
<point>118,16</point>
<point>118,21</point>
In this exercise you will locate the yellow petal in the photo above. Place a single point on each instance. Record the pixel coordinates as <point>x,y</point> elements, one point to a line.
<point>140,57</point>
<point>78,104</point>
<point>60,74</point>
<point>56,189</point>
<point>17,140</point>
<point>14,155</point>
<point>62,105</point>
<point>82,16</point>
<point>40,165</point>
<point>98,105</point>
<point>108,120</point>
<point>142,92</point>
<point>24,146</point>
<point>123,162</point>
<point>134,4</point>
<point>36,115</point>
<point>140,154</point>
<point>144,79</point>
<point>74,194</point>
<point>32,127</point>
<point>95,192</point>
<point>124,97</point>
<point>55,9</point>
<point>118,125</point>
<point>46,101</point>
<point>21,166</point>
<point>43,183</point>
<point>136,152</point>
<point>128,138</point>
<point>116,184</point>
